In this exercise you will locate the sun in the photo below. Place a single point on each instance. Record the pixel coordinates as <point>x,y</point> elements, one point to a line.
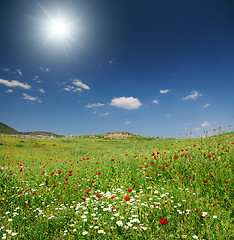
<point>59,29</point>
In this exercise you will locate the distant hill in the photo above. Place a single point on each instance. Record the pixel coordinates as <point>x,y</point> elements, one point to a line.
<point>41,133</point>
<point>7,130</point>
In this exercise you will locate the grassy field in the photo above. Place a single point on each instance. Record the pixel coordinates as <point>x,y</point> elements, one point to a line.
<point>135,188</point>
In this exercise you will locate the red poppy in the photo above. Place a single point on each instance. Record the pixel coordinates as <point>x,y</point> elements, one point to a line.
<point>59,171</point>
<point>21,169</point>
<point>8,178</point>
<point>70,171</point>
<point>112,197</point>
<point>97,195</point>
<point>87,191</point>
<point>205,181</point>
<point>112,159</point>
<point>54,185</point>
<point>163,221</point>
<point>127,198</point>
<point>130,190</point>
<point>92,182</point>
<point>211,175</point>
<point>27,206</point>
<point>151,162</point>
<point>52,174</point>
<point>66,178</point>
<point>226,182</point>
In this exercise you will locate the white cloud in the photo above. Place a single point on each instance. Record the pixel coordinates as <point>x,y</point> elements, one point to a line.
<point>36,78</point>
<point>197,129</point>
<point>127,122</point>
<point>206,124</point>
<point>73,89</point>
<point>41,90</point>
<point>103,114</point>
<point>206,105</point>
<point>128,103</point>
<point>6,69</point>
<point>167,116</point>
<point>94,105</point>
<point>9,91</point>
<point>44,69</point>
<point>165,91</point>
<point>155,101</point>
<point>194,95</point>
<point>78,83</point>
<point>30,98</point>
<point>19,72</point>
<point>68,88</point>
<point>14,83</point>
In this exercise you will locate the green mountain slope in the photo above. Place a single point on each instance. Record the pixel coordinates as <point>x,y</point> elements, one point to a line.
<point>6,129</point>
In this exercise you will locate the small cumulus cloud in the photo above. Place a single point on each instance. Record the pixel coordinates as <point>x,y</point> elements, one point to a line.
<point>30,98</point>
<point>78,86</point>
<point>72,89</point>
<point>6,69</point>
<point>36,78</point>
<point>41,90</point>
<point>103,114</point>
<point>78,83</point>
<point>206,105</point>
<point>94,105</point>
<point>194,95</point>
<point>206,124</point>
<point>197,129</point>
<point>167,115</point>
<point>156,101</point>
<point>165,91</point>
<point>19,72</point>
<point>9,91</point>
<point>128,103</point>
<point>127,122</point>
<point>14,83</point>
<point>44,69</point>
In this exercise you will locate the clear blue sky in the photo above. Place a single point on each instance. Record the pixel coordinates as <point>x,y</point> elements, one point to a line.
<point>147,67</point>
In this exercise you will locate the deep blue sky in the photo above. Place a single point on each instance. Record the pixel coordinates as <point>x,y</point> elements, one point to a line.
<point>147,67</point>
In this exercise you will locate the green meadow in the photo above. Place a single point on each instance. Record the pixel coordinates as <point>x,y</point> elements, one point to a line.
<point>136,188</point>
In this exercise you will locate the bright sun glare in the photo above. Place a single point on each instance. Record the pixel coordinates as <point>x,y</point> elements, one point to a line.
<point>59,28</point>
